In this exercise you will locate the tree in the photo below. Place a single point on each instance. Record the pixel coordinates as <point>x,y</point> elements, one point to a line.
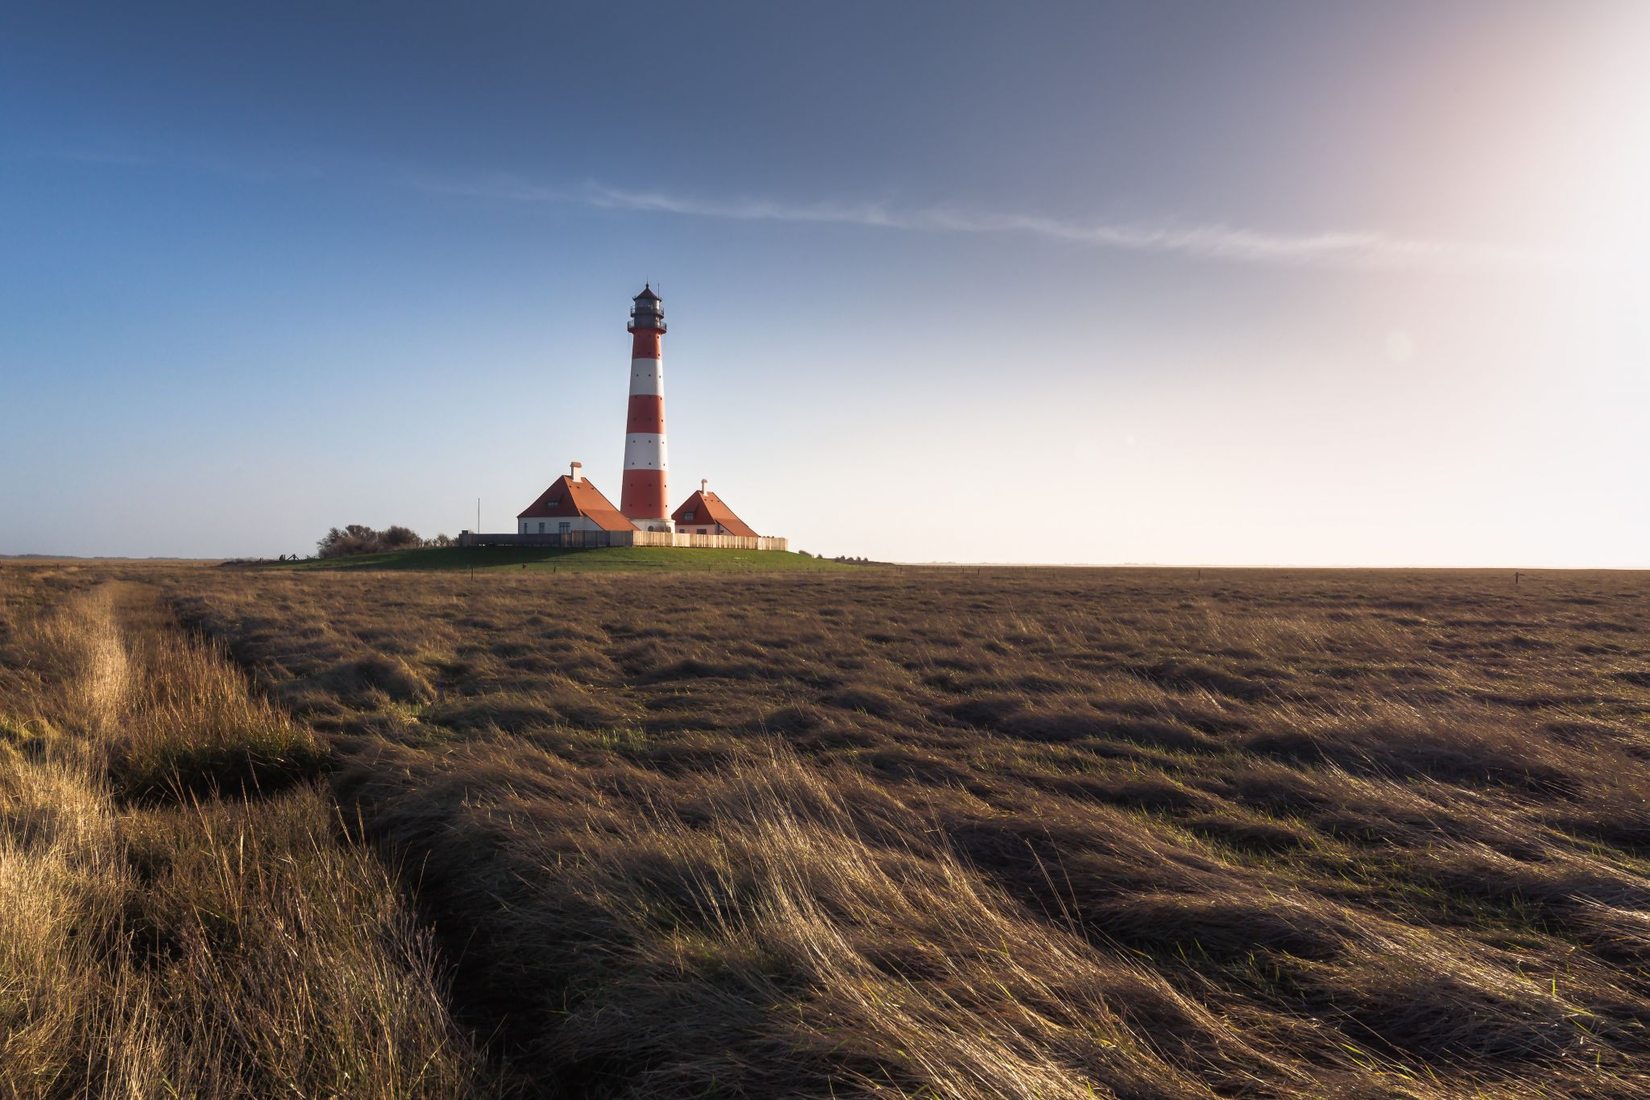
<point>399,538</point>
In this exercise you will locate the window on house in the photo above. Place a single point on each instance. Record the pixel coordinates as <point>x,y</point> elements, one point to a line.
<point>564,527</point>
<point>687,517</point>
<point>541,527</point>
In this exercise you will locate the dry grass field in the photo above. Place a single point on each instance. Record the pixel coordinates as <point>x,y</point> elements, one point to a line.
<point>920,833</point>
<point>178,915</point>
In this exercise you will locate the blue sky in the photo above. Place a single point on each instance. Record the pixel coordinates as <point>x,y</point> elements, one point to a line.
<point>1184,283</point>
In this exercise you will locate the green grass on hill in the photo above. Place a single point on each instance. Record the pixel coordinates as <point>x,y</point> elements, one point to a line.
<point>619,558</point>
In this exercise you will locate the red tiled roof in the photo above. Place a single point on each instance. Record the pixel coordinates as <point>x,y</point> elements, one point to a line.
<point>567,498</point>
<point>707,508</point>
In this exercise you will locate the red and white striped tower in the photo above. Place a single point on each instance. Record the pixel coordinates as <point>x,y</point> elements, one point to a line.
<point>644,498</point>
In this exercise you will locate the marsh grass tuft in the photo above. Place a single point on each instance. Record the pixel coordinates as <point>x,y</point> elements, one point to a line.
<point>192,727</point>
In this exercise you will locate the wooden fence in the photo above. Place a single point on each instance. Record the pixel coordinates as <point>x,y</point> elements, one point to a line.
<point>708,542</point>
<point>589,540</point>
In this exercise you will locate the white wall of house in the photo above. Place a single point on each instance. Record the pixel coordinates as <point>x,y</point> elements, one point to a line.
<point>552,525</point>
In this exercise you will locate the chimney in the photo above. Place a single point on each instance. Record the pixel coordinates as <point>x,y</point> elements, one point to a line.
<point>573,471</point>
<point>702,483</point>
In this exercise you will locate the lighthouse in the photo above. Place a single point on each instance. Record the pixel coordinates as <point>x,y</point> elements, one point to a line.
<point>643,498</point>
<point>574,513</point>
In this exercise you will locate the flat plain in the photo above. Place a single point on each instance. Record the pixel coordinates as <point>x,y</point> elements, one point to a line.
<point>866,832</point>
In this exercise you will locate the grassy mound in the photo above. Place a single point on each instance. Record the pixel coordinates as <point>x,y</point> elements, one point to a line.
<point>611,559</point>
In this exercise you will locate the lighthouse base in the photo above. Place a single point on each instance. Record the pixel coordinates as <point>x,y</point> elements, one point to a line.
<point>663,525</point>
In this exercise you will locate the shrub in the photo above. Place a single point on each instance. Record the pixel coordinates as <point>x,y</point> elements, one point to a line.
<point>399,538</point>
<point>357,538</point>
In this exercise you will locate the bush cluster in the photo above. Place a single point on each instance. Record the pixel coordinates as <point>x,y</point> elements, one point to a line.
<point>357,538</point>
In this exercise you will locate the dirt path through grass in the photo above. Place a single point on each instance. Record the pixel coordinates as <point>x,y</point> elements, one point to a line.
<point>178,913</point>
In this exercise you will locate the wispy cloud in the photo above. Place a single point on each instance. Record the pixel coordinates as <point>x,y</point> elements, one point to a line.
<point>1361,249</point>
<point>1213,241</point>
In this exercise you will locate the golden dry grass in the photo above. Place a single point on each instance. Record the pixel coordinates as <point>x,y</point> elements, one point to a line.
<point>188,945</point>
<point>1003,833</point>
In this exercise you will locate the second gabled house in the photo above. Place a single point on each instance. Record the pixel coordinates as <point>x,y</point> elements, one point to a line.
<point>703,513</point>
